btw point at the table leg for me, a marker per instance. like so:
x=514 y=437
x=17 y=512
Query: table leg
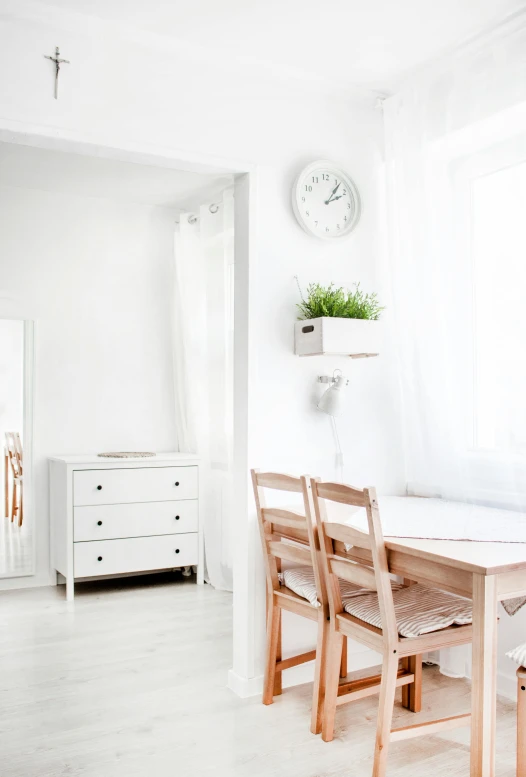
x=484 y=683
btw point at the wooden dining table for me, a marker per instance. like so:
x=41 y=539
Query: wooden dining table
x=486 y=572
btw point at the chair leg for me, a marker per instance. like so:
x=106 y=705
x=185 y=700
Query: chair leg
x=13 y=502
x=385 y=713
x=272 y=650
x=412 y=694
x=21 y=505
x=318 y=691
x=278 y=677
x=343 y=665
x=332 y=681
x=521 y=722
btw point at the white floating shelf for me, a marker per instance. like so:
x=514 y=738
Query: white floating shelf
x=354 y=337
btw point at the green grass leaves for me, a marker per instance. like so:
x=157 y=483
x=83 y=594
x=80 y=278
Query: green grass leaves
x=338 y=303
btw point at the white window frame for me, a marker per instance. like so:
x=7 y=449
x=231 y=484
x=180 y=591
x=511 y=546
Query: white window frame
x=491 y=470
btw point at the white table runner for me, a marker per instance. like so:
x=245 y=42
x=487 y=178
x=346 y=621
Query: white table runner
x=439 y=519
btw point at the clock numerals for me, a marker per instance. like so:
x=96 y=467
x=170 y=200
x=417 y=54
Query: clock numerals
x=325 y=202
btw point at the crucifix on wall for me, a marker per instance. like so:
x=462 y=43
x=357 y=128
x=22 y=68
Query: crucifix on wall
x=58 y=62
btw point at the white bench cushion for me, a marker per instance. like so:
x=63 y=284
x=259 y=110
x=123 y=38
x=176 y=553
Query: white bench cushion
x=518 y=655
x=419 y=610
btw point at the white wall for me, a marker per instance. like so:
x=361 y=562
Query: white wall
x=123 y=91
x=98 y=272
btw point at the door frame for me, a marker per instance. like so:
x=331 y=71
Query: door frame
x=245 y=349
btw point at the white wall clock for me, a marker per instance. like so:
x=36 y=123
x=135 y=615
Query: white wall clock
x=326 y=201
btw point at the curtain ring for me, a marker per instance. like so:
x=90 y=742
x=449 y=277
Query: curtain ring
x=213 y=208
x=192 y=219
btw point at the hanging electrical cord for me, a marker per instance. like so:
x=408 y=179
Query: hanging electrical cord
x=339 y=454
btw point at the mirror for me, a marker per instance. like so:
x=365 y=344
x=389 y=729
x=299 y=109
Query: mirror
x=17 y=535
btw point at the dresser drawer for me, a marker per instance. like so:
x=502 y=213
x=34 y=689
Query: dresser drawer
x=143 y=519
x=138 y=554
x=140 y=484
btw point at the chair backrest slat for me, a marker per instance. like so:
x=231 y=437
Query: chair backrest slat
x=348 y=535
x=290 y=552
x=287 y=518
x=369 y=565
x=283 y=533
x=338 y=492
x=279 y=482
x=353 y=572
x=354 y=554
x=279 y=526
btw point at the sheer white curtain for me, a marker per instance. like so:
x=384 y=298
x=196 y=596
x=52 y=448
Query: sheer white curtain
x=203 y=367
x=456 y=280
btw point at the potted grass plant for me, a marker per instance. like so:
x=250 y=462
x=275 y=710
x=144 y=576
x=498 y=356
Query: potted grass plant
x=337 y=321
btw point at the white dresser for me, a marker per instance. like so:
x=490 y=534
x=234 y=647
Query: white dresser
x=122 y=516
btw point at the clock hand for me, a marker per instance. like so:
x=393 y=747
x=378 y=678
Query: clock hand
x=337 y=198
x=333 y=193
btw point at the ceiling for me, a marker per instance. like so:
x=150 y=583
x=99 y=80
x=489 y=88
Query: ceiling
x=87 y=176
x=368 y=43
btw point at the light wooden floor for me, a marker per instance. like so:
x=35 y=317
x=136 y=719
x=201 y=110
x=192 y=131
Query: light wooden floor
x=16 y=548
x=130 y=682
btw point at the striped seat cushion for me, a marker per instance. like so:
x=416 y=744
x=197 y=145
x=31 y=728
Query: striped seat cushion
x=301 y=580
x=418 y=610
x=518 y=655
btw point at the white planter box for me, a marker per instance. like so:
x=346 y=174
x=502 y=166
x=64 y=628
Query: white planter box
x=337 y=336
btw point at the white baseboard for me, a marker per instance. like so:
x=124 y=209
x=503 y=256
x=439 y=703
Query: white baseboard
x=244 y=687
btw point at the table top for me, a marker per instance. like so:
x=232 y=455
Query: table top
x=484 y=558
x=481 y=557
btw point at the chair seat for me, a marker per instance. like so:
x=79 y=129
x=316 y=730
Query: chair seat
x=418 y=610
x=518 y=655
x=301 y=580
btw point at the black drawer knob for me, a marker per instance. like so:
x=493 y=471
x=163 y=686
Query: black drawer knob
x=99 y=558
x=177 y=550
x=177 y=517
x=99 y=523
x=99 y=488
x=176 y=482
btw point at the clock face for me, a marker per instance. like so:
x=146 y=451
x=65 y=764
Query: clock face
x=326 y=201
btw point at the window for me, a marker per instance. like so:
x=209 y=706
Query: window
x=498 y=240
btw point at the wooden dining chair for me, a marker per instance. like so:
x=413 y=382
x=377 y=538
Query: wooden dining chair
x=289 y=535
x=14 y=470
x=519 y=656
x=398 y=624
